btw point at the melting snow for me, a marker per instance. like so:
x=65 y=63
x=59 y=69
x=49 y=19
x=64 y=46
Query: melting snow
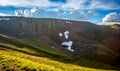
x=69 y=44
x=66 y=34
x=67 y=21
x=60 y=34
x=4 y=18
x=22 y=33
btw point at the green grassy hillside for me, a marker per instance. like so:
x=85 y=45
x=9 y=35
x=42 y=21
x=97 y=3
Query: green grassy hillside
x=29 y=55
x=40 y=37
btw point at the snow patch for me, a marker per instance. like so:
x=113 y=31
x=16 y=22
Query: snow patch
x=4 y=18
x=67 y=21
x=60 y=34
x=22 y=33
x=66 y=34
x=69 y=44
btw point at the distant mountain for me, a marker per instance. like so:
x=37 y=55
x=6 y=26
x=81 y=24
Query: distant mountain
x=96 y=42
x=115 y=26
x=109 y=23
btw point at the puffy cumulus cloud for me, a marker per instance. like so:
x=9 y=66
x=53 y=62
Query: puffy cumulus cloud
x=80 y=15
x=69 y=4
x=63 y=14
x=55 y=13
x=4 y=14
x=18 y=12
x=33 y=10
x=111 y=17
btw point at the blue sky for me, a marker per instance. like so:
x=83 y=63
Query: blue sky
x=88 y=10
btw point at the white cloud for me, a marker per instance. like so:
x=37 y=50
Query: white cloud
x=27 y=13
x=88 y=15
x=108 y=23
x=33 y=10
x=75 y=4
x=111 y=17
x=70 y=4
x=91 y=4
x=56 y=13
x=28 y=3
x=3 y=14
x=104 y=4
x=18 y=12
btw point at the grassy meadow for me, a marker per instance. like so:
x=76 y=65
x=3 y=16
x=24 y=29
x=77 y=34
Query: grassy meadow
x=30 y=55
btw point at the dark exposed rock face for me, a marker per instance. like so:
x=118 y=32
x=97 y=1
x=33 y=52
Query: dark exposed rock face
x=89 y=40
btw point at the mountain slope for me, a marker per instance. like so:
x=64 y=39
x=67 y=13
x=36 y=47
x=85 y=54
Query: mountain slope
x=18 y=54
x=89 y=40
